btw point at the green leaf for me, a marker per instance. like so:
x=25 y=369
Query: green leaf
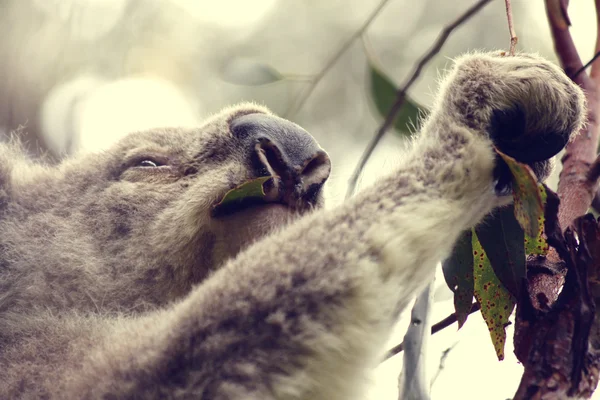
x=251 y=190
x=529 y=209
x=496 y=302
x=249 y=72
x=502 y=239
x=458 y=273
x=383 y=93
x=537 y=245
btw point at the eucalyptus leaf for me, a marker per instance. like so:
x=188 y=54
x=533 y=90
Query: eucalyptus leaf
x=383 y=92
x=502 y=239
x=247 y=191
x=529 y=208
x=458 y=273
x=496 y=302
x=538 y=245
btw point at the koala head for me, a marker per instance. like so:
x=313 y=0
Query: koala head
x=142 y=213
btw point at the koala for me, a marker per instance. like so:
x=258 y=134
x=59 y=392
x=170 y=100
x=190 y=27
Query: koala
x=120 y=278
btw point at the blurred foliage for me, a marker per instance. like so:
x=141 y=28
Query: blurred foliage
x=384 y=93
x=249 y=72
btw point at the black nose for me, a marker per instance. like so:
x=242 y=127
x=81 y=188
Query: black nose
x=284 y=150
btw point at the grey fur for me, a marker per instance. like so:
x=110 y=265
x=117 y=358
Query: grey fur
x=117 y=283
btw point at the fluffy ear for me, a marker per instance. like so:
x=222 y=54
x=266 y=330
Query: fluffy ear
x=11 y=156
x=5 y=167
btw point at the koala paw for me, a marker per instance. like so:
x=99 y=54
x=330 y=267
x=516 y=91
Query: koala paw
x=528 y=107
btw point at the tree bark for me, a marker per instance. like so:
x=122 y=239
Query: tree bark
x=553 y=332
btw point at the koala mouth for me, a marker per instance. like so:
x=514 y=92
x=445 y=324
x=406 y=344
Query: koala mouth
x=254 y=192
x=266 y=190
x=296 y=187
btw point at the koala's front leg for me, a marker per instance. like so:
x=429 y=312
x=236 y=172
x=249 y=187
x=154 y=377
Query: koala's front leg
x=303 y=314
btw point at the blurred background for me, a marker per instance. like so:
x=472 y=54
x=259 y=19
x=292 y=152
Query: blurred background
x=76 y=75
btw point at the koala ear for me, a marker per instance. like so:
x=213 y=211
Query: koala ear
x=9 y=156
x=4 y=176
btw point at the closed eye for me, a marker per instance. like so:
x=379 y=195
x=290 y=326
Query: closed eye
x=151 y=167
x=147 y=163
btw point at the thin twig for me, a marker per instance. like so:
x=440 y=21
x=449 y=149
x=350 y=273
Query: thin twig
x=586 y=66
x=511 y=29
x=446 y=322
x=401 y=93
x=297 y=105
x=442 y=363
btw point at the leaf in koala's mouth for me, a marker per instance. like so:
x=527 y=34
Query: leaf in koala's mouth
x=251 y=192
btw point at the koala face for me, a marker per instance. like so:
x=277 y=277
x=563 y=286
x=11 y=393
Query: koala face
x=143 y=211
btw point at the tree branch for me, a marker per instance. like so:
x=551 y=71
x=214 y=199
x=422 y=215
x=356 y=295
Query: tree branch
x=435 y=328
x=586 y=66
x=551 y=336
x=511 y=29
x=401 y=93
x=574 y=189
x=413 y=383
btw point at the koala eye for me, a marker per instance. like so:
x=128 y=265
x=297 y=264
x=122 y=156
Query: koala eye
x=152 y=162
x=149 y=164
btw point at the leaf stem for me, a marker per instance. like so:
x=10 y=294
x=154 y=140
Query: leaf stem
x=586 y=66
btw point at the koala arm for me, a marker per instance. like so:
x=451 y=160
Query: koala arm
x=303 y=313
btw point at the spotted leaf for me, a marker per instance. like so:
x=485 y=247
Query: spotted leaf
x=537 y=245
x=496 y=302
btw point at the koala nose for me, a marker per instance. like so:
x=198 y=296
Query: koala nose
x=284 y=150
